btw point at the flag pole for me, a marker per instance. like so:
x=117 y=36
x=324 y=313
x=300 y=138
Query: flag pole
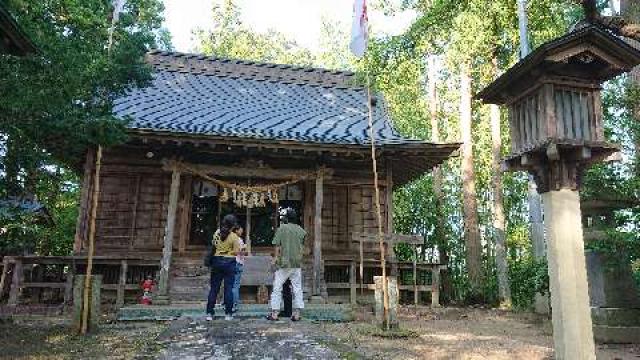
x=383 y=264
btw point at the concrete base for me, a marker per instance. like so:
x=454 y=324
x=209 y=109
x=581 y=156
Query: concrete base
x=616 y=325
x=94 y=301
x=571 y=318
x=617 y=334
x=326 y=312
x=161 y=300
x=541 y=305
x=392 y=288
x=316 y=299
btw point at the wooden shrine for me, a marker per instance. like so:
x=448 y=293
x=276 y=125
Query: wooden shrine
x=215 y=136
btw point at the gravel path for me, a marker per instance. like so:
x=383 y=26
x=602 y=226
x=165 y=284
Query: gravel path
x=188 y=339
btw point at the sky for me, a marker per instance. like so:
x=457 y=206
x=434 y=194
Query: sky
x=299 y=20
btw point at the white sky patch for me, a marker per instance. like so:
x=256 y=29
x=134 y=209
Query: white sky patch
x=299 y=20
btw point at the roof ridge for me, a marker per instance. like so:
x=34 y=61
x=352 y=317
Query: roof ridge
x=263 y=71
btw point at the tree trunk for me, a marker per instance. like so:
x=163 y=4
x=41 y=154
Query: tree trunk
x=504 y=288
x=470 y=202
x=630 y=10
x=440 y=232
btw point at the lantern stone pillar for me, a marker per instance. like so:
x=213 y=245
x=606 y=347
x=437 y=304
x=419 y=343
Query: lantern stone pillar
x=555 y=123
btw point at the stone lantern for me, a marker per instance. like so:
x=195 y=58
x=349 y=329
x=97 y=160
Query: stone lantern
x=555 y=121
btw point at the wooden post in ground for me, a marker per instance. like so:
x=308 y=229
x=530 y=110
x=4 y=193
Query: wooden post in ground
x=317 y=236
x=16 y=282
x=352 y=283
x=122 y=284
x=92 y=234
x=5 y=276
x=167 y=249
x=435 y=287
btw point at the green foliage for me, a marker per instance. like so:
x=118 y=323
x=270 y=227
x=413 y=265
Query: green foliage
x=230 y=38
x=528 y=277
x=58 y=102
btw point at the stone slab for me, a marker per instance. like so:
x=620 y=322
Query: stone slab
x=616 y=317
x=617 y=334
x=324 y=312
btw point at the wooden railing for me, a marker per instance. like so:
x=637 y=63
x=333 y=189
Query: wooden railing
x=57 y=272
x=355 y=271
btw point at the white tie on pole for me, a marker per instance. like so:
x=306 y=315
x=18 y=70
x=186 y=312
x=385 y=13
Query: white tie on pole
x=359 y=28
x=118 y=7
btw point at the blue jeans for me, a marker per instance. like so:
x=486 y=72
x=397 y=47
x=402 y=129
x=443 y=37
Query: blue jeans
x=236 y=284
x=222 y=269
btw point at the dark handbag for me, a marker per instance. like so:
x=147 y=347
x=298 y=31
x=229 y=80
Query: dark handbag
x=208 y=257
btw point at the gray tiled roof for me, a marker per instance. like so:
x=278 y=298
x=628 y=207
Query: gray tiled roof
x=194 y=94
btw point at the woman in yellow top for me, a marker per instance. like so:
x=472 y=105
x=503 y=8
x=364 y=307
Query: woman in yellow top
x=223 y=265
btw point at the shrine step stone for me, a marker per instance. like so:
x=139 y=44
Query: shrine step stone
x=323 y=312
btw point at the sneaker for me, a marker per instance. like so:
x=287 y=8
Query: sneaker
x=228 y=317
x=209 y=317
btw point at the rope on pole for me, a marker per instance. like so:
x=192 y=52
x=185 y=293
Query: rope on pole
x=383 y=264
x=91 y=239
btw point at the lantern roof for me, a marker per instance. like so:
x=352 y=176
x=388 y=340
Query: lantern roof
x=587 y=54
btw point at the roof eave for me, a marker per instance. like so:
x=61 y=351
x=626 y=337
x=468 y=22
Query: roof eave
x=492 y=94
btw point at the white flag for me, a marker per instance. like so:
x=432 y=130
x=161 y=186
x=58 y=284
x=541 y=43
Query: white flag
x=118 y=7
x=360 y=28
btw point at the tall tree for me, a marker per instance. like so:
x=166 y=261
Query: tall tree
x=469 y=197
x=504 y=288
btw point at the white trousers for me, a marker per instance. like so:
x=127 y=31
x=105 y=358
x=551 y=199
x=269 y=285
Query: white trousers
x=280 y=277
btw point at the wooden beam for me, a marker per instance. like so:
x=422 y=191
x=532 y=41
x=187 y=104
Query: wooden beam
x=165 y=263
x=317 y=235
x=249 y=172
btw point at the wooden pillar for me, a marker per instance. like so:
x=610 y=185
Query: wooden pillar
x=167 y=249
x=185 y=213
x=122 y=284
x=82 y=224
x=16 y=283
x=247 y=230
x=5 y=275
x=317 y=236
x=352 y=282
x=389 y=197
x=416 y=296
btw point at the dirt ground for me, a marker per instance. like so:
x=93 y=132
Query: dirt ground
x=454 y=333
x=449 y=333
x=48 y=338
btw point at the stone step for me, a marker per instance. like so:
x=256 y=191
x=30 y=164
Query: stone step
x=323 y=312
x=615 y=317
x=617 y=334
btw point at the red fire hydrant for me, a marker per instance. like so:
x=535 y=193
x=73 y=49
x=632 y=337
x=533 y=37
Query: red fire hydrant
x=147 y=286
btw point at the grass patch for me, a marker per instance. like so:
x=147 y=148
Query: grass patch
x=41 y=339
x=377 y=331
